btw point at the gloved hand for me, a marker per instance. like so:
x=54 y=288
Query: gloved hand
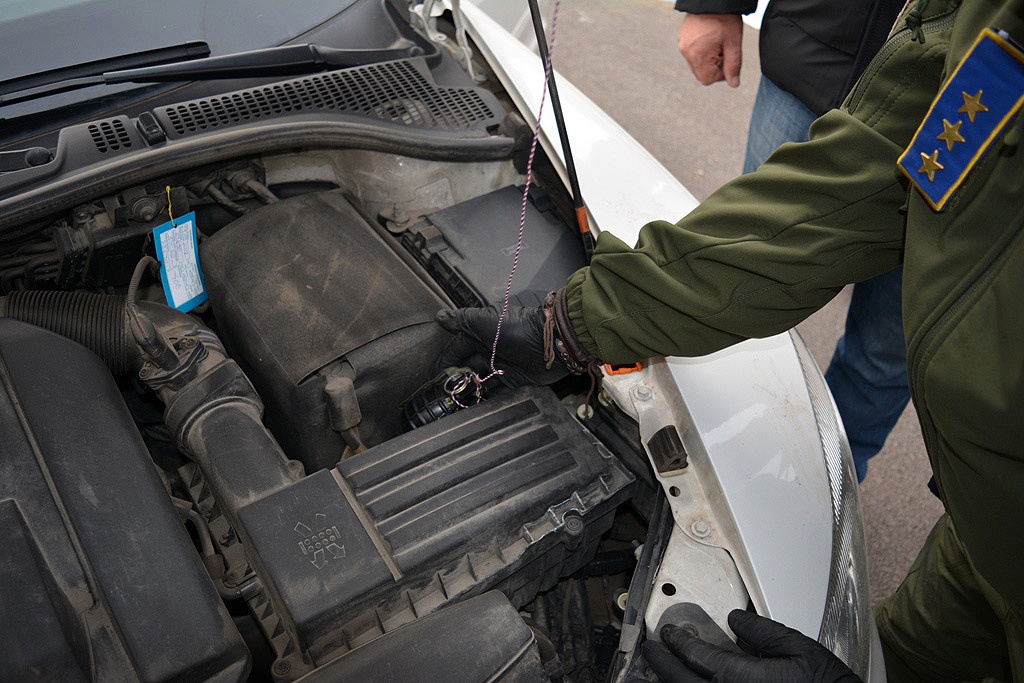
x=787 y=656
x=520 y=346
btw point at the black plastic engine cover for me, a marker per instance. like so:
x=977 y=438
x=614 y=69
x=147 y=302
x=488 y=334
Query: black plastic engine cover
x=98 y=578
x=479 y=639
x=468 y=247
x=302 y=283
x=510 y=494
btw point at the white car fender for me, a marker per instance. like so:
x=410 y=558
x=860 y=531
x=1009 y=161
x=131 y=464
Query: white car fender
x=748 y=407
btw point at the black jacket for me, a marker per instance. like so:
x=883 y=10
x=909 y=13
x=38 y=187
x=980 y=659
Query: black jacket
x=813 y=49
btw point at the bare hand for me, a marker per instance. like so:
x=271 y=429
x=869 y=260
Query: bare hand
x=713 y=47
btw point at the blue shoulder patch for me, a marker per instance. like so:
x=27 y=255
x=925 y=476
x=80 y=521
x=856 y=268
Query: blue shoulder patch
x=984 y=93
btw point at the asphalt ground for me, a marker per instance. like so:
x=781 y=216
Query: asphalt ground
x=623 y=55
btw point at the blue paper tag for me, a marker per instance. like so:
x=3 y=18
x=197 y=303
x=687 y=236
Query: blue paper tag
x=984 y=93
x=177 y=249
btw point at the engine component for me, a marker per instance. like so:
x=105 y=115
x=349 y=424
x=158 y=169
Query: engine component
x=102 y=245
x=468 y=247
x=304 y=283
x=100 y=580
x=510 y=494
x=343 y=411
x=484 y=639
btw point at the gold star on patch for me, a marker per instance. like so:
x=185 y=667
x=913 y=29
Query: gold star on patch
x=951 y=134
x=972 y=105
x=930 y=164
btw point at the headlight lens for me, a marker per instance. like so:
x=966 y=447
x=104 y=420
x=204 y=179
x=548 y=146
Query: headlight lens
x=846 y=625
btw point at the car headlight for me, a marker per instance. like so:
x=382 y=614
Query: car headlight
x=846 y=624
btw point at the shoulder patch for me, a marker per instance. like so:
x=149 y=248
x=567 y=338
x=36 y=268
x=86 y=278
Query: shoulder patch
x=984 y=93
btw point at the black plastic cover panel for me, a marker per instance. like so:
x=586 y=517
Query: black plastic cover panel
x=510 y=494
x=98 y=578
x=302 y=282
x=401 y=93
x=477 y=241
x=477 y=640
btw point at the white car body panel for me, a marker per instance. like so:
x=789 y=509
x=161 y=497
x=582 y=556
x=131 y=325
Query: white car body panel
x=749 y=404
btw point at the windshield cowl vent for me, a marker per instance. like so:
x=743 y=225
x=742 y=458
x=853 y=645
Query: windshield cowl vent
x=397 y=92
x=110 y=135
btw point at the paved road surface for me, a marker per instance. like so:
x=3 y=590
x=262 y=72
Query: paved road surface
x=623 y=55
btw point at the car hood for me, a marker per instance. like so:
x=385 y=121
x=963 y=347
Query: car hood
x=34 y=40
x=112 y=27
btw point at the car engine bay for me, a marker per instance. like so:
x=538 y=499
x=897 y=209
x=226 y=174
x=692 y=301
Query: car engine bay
x=318 y=505
x=278 y=480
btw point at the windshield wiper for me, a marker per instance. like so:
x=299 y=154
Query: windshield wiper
x=195 y=49
x=287 y=60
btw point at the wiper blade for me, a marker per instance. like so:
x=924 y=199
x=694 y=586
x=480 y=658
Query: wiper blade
x=287 y=60
x=195 y=49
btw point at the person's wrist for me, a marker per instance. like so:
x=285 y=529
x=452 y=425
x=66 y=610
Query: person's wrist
x=560 y=339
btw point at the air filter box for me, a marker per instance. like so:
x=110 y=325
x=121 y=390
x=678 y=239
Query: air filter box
x=510 y=494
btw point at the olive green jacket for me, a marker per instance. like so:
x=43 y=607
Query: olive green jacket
x=770 y=248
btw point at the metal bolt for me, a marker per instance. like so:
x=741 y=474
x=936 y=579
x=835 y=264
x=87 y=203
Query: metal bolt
x=573 y=525
x=282 y=666
x=144 y=208
x=584 y=411
x=701 y=529
x=604 y=398
x=621 y=599
x=642 y=392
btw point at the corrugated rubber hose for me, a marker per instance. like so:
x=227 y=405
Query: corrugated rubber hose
x=97 y=321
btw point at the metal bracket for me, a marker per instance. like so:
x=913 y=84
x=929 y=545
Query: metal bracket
x=424 y=16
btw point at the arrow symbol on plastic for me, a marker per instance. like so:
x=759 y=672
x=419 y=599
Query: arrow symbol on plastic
x=319 y=561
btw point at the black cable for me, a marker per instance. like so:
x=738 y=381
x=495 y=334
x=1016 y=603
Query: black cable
x=144 y=264
x=38 y=263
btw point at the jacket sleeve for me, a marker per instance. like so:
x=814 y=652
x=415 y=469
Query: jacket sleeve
x=716 y=6
x=769 y=248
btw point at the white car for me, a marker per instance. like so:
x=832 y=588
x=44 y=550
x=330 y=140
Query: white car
x=227 y=453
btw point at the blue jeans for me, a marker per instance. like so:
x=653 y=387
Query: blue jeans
x=868 y=372
x=777 y=118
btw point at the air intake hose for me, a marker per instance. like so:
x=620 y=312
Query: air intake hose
x=96 y=321
x=212 y=410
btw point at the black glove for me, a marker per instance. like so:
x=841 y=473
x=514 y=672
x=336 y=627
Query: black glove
x=787 y=656
x=520 y=346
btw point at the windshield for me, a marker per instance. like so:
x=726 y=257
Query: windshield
x=39 y=35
